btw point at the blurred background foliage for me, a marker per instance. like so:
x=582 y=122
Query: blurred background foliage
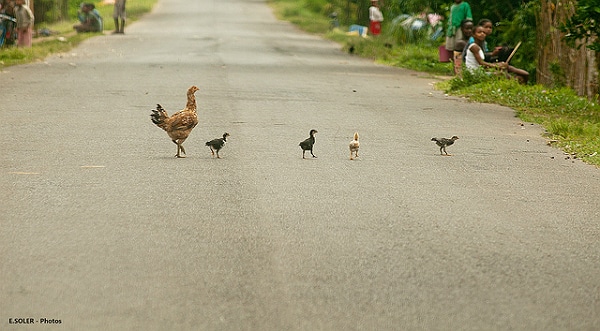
x=52 y=11
x=406 y=22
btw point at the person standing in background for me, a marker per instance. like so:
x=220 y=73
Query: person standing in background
x=459 y=11
x=119 y=13
x=25 y=21
x=376 y=17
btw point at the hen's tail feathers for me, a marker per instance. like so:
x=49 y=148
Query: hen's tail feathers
x=356 y=136
x=159 y=115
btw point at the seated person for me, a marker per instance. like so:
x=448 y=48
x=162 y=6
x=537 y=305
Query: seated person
x=89 y=18
x=466 y=27
x=488 y=27
x=7 y=7
x=475 y=58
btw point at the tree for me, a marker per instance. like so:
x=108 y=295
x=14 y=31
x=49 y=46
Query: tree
x=557 y=62
x=583 y=27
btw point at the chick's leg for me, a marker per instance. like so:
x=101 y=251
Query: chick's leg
x=446 y=151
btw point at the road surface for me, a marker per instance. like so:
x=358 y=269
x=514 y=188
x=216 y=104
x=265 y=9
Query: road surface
x=103 y=229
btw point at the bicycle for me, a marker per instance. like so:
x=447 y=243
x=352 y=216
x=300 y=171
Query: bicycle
x=8 y=34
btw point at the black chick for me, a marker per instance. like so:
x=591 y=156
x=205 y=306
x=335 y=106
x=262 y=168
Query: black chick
x=217 y=144
x=307 y=145
x=443 y=143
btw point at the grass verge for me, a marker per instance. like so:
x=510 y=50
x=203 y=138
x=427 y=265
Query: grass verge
x=64 y=38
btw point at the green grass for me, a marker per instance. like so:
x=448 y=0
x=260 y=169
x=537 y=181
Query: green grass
x=419 y=57
x=65 y=38
x=12 y=55
x=299 y=13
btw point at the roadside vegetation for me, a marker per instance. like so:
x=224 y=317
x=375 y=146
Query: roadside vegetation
x=62 y=36
x=571 y=122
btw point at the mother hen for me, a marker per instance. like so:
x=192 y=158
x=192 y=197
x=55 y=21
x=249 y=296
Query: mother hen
x=179 y=125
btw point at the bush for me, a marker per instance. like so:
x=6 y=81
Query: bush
x=316 y=6
x=470 y=78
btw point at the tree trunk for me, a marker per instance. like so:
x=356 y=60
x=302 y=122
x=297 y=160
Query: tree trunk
x=559 y=64
x=64 y=10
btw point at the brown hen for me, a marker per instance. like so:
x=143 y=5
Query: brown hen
x=179 y=125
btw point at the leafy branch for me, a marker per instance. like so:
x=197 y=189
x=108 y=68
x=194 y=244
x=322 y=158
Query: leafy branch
x=582 y=28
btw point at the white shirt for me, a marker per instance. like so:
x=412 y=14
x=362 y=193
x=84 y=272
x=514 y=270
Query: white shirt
x=471 y=62
x=375 y=14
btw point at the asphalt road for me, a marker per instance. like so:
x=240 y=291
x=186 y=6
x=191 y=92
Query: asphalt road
x=103 y=229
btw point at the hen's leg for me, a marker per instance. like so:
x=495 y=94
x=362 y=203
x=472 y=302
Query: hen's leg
x=218 y=157
x=212 y=152
x=180 y=143
x=175 y=142
x=351 y=158
x=311 y=153
x=303 y=151
x=180 y=148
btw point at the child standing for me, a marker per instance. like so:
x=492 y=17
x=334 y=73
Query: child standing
x=376 y=17
x=25 y=21
x=459 y=11
x=119 y=13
